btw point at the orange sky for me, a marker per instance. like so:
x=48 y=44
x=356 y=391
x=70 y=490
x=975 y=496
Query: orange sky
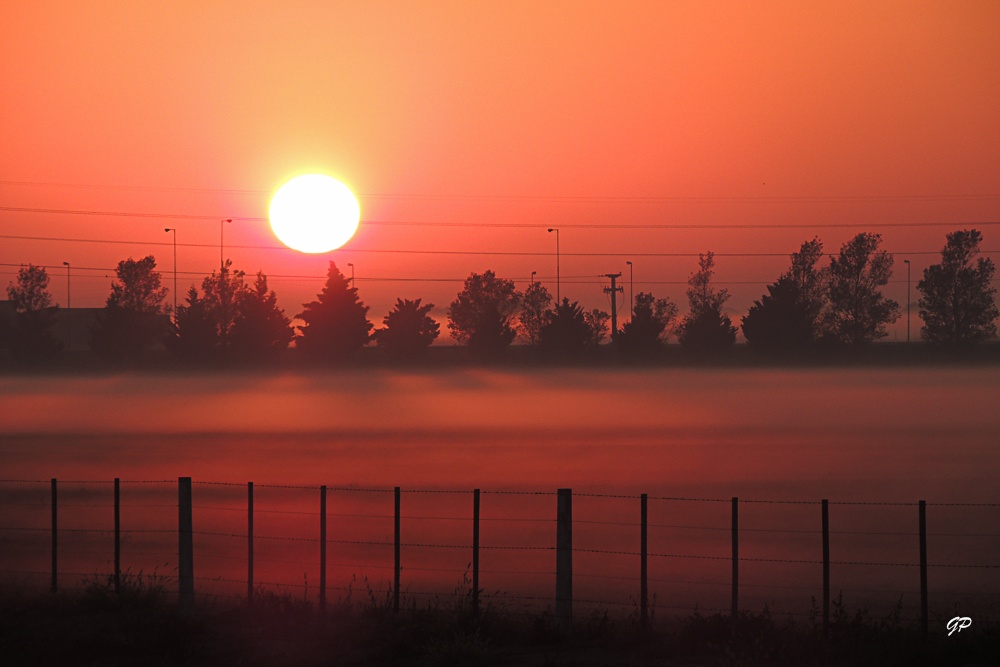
x=685 y=115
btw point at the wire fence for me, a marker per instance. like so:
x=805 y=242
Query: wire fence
x=517 y=550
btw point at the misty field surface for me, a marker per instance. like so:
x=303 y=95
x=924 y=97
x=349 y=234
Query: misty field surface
x=871 y=441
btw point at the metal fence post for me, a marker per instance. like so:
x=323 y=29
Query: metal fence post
x=118 y=537
x=55 y=538
x=250 y=543
x=826 y=566
x=564 y=558
x=475 y=552
x=923 y=566
x=643 y=563
x=322 y=548
x=185 y=530
x=736 y=557
x=395 y=574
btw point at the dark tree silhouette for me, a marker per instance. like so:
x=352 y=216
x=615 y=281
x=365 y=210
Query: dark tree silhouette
x=203 y=328
x=29 y=336
x=409 y=330
x=196 y=331
x=134 y=316
x=706 y=330
x=566 y=332
x=222 y=293
x=260 y=329
x=652 y=322
x=858 y=312
x=787 y=319
x=534 y=306
x=482 y=314
x=597 y=322
x=336 y=324
x=231 y=321
x=958 y=305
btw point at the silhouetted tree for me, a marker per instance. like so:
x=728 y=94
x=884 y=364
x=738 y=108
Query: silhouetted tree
x=597 y=322
x=566 y=332
x=706 y=330
x=203 y=328
x=482 y=315
x=534 y=306
x=958 y=305
x=409 y=330
x=787 y=319
x=222 y=293
x=260 y=329
x=652 y=322
x=858 y=312
x=134 y=316
x=196 y=332
x=29 y=336
x=336 y=324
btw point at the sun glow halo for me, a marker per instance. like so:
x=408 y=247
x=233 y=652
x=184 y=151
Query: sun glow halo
x=314 y=213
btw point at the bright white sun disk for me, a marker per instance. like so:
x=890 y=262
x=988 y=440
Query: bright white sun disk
x=314 y=213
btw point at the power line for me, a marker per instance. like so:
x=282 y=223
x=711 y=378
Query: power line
x=626 y=199
x=510 y=225
x=411 y=251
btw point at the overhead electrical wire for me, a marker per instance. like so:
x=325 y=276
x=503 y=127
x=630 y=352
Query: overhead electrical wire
x=503 y=225
x=627 y=199
x=411 y=251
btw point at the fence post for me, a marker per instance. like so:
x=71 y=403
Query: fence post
x=564 y=558
x=475 y=552
x=185 y=529
x=923 y=566
x=118 y=536
x=643 y=570
x=250 y=543
x=322 y=548
x=395 y=574
x=826 y=567
x=736 y=557
x=55 y=539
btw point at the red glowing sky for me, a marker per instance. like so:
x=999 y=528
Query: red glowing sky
x=691 y=116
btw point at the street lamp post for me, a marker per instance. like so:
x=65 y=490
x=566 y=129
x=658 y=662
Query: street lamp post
x=631 y=303
x=222 y=262
x=907 y=262
x=558 y=295
x=532 y=282
x=352 y=273
x=69 y=311
x=174 y=230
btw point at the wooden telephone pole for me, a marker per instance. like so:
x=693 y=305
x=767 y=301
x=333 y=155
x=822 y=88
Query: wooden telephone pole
x=613 y=291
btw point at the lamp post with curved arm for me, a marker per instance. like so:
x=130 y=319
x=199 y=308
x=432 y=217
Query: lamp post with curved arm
x=631 y=303
x=222 y=227
x=558 y=295
x=174 y=230
x=69 y=311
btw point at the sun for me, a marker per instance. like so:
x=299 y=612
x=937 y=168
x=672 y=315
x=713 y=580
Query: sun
x=314 y=213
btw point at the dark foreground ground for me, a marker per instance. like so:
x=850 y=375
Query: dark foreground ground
x=141 y=626
x=883 y=354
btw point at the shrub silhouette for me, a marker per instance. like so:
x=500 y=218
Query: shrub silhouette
x=336 y=324
x=409 y=330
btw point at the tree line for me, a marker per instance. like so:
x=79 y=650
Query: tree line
x=235 y=319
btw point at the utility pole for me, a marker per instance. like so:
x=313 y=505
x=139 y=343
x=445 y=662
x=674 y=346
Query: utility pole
x=222 y=236
x=69 y=312
x=558 y=295
x=631 y=299
x=613 y=291
x=174 y=230
x=907 y=262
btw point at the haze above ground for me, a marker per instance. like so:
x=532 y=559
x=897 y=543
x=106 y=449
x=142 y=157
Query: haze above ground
x=788 y=121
